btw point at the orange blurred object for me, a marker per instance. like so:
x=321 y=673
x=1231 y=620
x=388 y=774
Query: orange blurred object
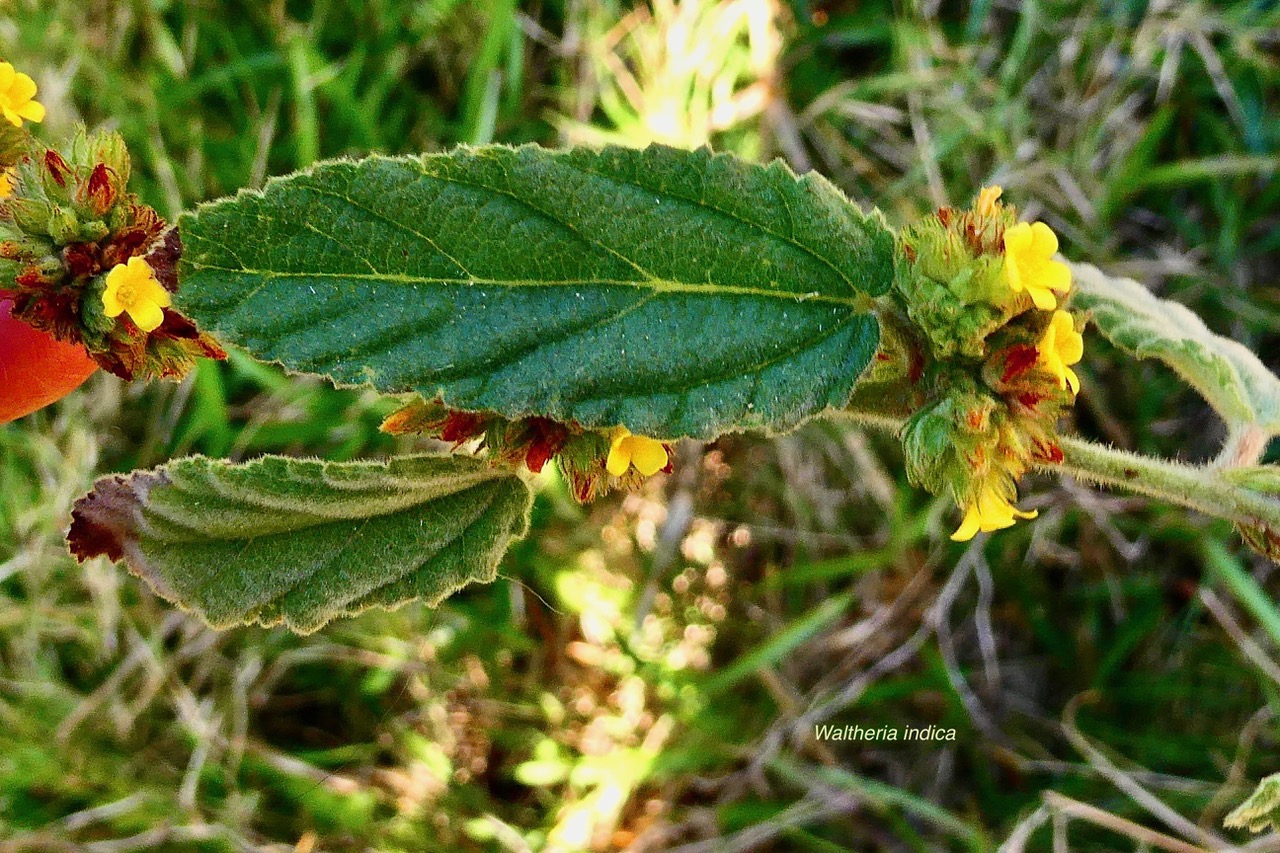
x=35 y=368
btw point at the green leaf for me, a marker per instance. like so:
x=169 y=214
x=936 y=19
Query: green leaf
x=300 y=542
x=1261 y=811
x=678 y=293
x=1229 y=377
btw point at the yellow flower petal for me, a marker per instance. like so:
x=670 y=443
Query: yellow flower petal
x=619 y=453
x=1056 y=275
x=995 y=512
x=1070 y=343
x=648 y=455
x=111 y=304
x=32 y=111
x=23 y=88
x=988 y=198
x=969 y=527
x=147 y=316
x=116 y=279
x=1044 y=242
x=991 y=512
x=7 y=73
x=1017 y=238
x=1042 y=297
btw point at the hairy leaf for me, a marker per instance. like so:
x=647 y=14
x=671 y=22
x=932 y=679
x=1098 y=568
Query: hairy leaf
x=302 y=541
x=679 y=293
x=1261 y=811
x=1229 y=377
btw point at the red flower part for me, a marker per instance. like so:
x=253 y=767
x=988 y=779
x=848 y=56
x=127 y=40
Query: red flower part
x=100 y=190
x=584 y=487
x=82 y=259
x=1018 y=359
x=1030 y=399
x=973 y=237
x=57 y=167
x=163 y=258
x=915 y=368
x=1048 y=452
x=31 y=278
x=461 y=427
x=547 y=439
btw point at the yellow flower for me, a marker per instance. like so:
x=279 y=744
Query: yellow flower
x=133 y=288
x=648 y=454
x=6 y=183
x=16 y=92
x=987 y=201
x=1029 y=263
x=1060 y=347
x=991 y=512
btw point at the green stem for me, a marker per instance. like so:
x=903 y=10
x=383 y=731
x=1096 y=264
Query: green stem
x=1197 y=487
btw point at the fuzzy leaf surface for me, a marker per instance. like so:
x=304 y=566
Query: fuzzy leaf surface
x=1228 y=375
x=678 y=293
x=299 y=542
x=1261 y=811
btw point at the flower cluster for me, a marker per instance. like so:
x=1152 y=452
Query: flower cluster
x=981 y=317
x=593 y=462
x=82 y=258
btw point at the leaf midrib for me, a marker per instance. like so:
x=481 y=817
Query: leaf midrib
x=657 y=285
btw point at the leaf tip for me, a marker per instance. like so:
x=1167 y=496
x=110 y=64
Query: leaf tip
x=105 y=522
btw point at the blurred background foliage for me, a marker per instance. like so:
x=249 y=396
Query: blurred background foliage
x=647 y=673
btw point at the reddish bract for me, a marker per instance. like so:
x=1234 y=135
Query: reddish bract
x=35 y=368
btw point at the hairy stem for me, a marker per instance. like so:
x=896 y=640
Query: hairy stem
x=1198 y=487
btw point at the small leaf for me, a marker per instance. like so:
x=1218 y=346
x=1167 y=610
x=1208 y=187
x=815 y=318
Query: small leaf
x=1261 y=810
x=679 y=293
x=1229 y=377
x=300 y=542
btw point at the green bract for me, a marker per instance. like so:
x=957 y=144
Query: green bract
x=678 y=293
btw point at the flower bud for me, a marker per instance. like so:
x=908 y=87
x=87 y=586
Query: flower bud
x=64 y=226
x=31 y=215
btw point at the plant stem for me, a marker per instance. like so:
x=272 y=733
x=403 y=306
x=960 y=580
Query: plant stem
x=1198 y=487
